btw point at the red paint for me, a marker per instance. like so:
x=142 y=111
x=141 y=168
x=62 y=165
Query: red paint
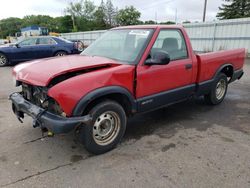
x=41 y=72
x=158 y=78
x=149 y=79
x=210 y=62
x=69 y=92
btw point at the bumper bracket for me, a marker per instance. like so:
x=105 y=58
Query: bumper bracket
x=54 y=123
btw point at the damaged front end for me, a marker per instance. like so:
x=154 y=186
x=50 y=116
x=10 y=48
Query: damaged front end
x=38 y=95
x=44 y=110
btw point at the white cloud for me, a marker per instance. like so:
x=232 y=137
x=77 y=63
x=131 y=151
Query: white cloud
x=165 y=9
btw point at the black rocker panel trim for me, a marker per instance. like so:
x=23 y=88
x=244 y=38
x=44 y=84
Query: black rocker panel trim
x=101 y=92
x=165 y=98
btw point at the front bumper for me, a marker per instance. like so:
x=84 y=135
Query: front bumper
x=54 y=123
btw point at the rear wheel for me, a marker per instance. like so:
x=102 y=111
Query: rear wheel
x=218 y=90
x=3 y=60
x=61 y=53
x=107 y=128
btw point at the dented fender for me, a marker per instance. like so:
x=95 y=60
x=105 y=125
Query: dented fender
x=68 y=93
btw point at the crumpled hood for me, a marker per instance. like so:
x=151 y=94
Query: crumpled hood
x=41 y=72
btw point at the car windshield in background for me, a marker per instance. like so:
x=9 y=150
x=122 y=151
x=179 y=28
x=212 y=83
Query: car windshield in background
x=123 y=45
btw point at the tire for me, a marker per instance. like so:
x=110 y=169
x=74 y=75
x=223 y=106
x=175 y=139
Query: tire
x=218 y=90
x=3 y=60
x=107 y=128
x=61 y=53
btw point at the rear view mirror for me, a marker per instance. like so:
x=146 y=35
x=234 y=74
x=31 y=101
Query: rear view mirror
x=158 y=58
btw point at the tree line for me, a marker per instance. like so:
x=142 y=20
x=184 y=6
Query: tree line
x=84 y=15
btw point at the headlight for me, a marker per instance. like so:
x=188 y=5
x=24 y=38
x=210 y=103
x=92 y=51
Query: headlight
x=39 y=95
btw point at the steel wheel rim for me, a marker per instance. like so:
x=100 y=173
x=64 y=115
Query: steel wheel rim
x=220 y=89
x=3 y=60
x=106 y=128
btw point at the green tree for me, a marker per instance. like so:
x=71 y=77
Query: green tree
x=9 y=26
x=149 y=22
x=168 y=23
x=65 y=24
x=128 y=16
x=100 y=15
x=74 y=10
x=235 y=9
x=110 y=13
x=81 y=13
x=88 y=9
x=186 y=22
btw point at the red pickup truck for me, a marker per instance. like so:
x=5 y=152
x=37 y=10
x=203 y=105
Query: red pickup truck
x=128 y=70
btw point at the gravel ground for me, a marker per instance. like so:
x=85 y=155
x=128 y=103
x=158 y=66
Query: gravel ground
x=186 y=145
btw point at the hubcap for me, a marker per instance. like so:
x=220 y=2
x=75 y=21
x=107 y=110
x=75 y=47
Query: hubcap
x=220 y=89
x=106 y=128
x=3 y=60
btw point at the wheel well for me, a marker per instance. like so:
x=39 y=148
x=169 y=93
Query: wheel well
x=117 y=97
x=228 y=71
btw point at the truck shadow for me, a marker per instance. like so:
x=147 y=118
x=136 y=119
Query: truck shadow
x=168 y=118
x=195 y=114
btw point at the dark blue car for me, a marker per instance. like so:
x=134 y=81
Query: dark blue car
x=35 y=48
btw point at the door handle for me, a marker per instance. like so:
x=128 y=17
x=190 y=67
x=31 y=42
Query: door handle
x=188 y=66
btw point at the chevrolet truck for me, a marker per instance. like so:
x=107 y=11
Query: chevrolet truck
x=128 y=70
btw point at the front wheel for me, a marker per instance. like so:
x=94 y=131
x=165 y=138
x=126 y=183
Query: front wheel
x=218 y=90
x=107 y=128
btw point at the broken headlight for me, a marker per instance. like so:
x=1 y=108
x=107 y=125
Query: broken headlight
x=38 y=96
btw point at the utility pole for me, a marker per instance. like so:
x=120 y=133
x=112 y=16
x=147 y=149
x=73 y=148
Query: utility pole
x=204 y=11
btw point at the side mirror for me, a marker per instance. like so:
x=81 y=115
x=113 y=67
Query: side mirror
x=159 y=58
x=17 y=45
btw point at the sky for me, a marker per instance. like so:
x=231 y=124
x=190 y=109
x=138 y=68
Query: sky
x=160 y=10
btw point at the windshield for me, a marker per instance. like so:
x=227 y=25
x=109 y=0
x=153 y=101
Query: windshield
x=123 y=45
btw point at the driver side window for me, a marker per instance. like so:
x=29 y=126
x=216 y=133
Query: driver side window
x=172 y=42
x=28 y=42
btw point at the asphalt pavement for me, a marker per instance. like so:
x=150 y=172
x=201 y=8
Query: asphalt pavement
x=189 y=144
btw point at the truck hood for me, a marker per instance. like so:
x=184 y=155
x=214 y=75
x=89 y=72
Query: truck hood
x=41 y=72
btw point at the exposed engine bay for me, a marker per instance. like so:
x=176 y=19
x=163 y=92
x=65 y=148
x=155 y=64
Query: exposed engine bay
x=38 y=96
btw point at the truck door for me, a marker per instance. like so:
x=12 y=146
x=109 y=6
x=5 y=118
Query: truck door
x=159 y=85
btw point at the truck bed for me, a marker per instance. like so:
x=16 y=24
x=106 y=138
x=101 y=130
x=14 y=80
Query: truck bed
x=209 y=63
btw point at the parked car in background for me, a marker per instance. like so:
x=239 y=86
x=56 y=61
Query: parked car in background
x=36 y=48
